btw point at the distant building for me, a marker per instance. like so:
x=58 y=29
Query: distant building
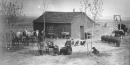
x=59 y=23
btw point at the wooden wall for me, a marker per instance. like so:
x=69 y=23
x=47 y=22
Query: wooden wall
x=57 y=28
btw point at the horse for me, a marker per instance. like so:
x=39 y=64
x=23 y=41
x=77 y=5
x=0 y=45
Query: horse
x=24 y=37
x=123 y=27
x=16 y=39
x=119 y=33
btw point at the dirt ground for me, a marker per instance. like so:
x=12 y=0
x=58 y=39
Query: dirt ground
x=109 y=55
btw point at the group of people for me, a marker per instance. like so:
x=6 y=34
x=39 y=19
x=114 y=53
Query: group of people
x=49 y=48
x=52 y=48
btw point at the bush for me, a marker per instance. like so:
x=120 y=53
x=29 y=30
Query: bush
x=111 y=39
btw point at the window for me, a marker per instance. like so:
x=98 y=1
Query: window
x=50 y=29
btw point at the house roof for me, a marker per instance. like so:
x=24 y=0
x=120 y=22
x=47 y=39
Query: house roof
x=58 y=17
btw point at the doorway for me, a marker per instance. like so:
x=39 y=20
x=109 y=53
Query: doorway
x=82 y=35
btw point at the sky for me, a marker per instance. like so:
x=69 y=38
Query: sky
x=110 y=7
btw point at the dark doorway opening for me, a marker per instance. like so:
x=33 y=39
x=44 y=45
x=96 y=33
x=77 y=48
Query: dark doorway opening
x=82 y=35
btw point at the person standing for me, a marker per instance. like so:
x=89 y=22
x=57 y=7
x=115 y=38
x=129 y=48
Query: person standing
x=39 y=39
x=68 y=42
x=37 y=33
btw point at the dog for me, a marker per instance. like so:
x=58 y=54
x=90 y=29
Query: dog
x=95 y=51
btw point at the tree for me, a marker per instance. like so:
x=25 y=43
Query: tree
x=11 y=9
x=93 y=8
x=44 y=8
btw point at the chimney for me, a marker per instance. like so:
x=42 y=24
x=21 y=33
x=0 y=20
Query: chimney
x=74 y=10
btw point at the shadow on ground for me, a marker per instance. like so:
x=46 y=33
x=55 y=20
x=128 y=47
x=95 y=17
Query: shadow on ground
x=83 y=55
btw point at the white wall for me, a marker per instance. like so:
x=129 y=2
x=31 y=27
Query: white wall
x=75 y=28
x=76 y=23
